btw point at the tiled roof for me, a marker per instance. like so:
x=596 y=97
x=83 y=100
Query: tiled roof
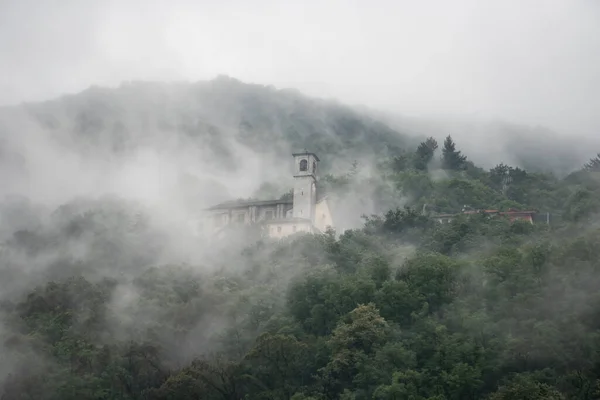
x=511 y=212
x=247 y=203
x=226 y=205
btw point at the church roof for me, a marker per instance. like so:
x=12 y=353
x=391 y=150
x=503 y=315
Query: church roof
x=226 y=205
x=247 y=203
x=306 y=153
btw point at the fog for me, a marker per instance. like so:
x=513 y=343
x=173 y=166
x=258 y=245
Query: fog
x=115 y=137
x=523 y=61
x=425 y=66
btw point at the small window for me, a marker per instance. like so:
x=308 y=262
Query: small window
x=303 y=165
x=294 y=228
x=314 y=171
x=269 y=215
x=278 y=229
x=240 y=218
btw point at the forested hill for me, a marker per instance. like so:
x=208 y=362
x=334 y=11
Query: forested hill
x=211 y=115
x=490 y=142
x=216 y=117
x=102 y=296
x=202 y=142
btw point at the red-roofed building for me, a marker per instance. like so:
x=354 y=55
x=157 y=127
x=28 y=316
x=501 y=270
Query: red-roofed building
x=515 y=215
x=512 y=214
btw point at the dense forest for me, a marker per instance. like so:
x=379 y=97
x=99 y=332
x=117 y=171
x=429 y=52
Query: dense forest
x=98 y=303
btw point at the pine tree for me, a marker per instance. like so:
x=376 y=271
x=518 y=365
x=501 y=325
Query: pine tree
x=452 y=158
x=593 y=164
x=425 y=153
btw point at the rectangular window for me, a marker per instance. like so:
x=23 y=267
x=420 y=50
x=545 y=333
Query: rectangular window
x=269 y=215
x=278 y=229
x=241 y=218
x=294 y=228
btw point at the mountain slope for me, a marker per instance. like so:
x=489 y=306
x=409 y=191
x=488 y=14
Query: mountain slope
x=209 y=115
x=185 y=145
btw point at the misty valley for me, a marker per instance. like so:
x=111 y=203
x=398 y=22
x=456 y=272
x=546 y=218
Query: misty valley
x=431 y=269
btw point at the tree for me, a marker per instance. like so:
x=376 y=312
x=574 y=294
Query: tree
x=397 y=302
x=451 y=158
x=431 y=277
x=407 y=384
x=593 y=164
x=525 y=388
x=353 y=344
x=278 y=365
x=214 y=379
x=425 y=153
x=503 y=174
x=364 y=331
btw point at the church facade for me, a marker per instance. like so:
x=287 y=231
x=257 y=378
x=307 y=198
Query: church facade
x=305 y=212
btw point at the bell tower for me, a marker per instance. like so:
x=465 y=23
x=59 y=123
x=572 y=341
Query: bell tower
x=305 y=185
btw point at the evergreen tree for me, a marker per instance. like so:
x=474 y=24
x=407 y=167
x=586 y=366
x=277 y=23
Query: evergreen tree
x=452 y=158
x=501 y=172
x=425 y=153
x=593 y=164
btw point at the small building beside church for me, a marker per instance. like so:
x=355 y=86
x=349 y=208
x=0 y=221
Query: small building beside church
x=307 y=211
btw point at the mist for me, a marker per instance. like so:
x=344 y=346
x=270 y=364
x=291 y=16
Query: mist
x=509 y=60
x=122 y=121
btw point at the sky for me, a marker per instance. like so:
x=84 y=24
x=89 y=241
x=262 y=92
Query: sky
x=525 y=61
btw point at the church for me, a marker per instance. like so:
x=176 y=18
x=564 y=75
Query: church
x=307 y=211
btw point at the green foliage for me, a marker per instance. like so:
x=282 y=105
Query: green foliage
x=582 y=204
x=525 y=388
x=431 y=278
x=425 y=153
x=452 y=159
x=402 y=307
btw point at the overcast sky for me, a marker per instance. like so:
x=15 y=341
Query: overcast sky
x=532 y=61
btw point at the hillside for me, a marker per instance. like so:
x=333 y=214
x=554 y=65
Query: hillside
x=105 y=295
x=209 y=115
x=184 y=146
x=490 y=142
x=215 y=117
x=202 y=143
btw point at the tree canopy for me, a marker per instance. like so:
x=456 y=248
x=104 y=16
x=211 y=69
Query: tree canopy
x=98 y=301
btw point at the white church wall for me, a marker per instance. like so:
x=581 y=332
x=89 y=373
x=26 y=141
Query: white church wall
x=323 y=217
x=282 y=230
x=317 y=216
